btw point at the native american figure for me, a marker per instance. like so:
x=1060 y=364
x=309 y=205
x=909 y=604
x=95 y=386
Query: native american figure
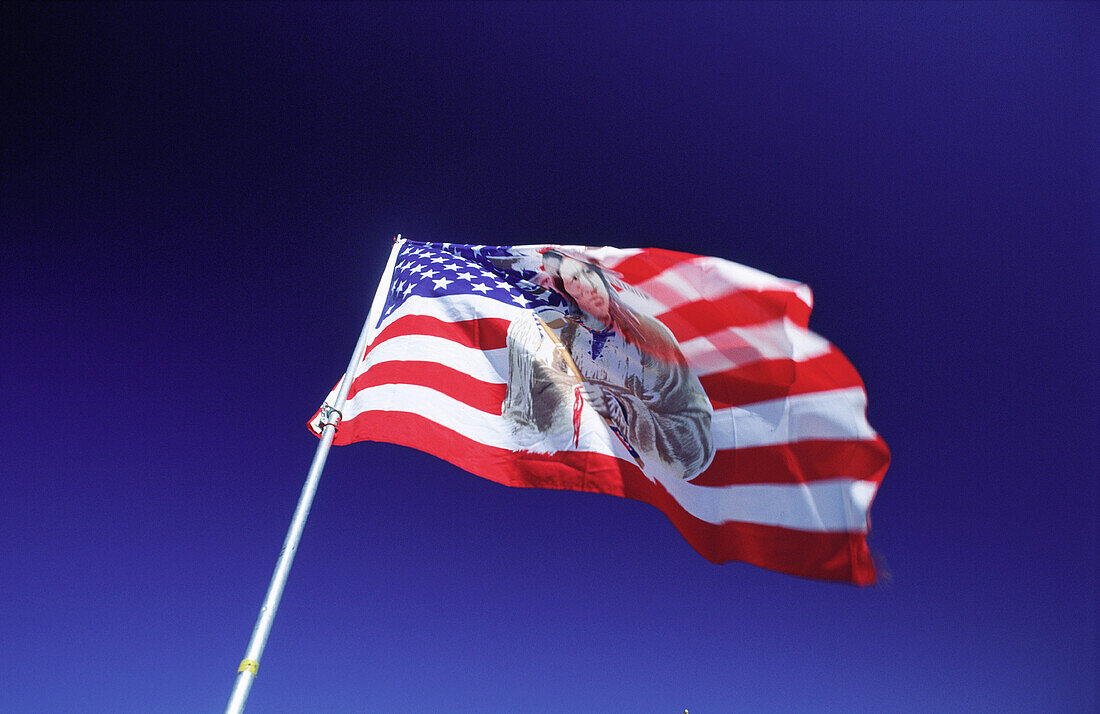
x=599 y=351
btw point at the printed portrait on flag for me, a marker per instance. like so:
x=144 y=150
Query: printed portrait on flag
x=596 y=351
x=688 y=382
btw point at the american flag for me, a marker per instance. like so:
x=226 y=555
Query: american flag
x=796 y=464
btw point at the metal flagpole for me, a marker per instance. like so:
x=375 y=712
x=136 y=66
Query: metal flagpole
x=330 y=417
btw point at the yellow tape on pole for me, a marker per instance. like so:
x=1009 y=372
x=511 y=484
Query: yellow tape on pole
x=249 y=664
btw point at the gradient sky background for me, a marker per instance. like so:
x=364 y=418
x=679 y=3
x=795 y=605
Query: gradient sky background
x=197 y=203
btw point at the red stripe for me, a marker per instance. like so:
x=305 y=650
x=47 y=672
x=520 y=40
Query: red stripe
x=485 y=396
x=830 y=556
x=649 y=263
x=778 y=378
x=487 y=333
x=800 y=462
x=738 y=309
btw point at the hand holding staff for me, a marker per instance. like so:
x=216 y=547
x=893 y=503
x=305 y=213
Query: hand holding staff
x=577 y=373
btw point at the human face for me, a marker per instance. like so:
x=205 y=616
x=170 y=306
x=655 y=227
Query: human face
x=585 y=286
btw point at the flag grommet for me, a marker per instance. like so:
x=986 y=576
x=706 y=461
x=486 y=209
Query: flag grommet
x=330 y=416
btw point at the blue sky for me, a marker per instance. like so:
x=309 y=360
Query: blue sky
x=199 y=198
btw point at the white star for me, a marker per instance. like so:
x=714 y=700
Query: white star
x=439 y=259
x=503 y=285
x=520 y=300
x=465 y=276
x=481 y=288
x=442 y=283
x=476 y=248
x=408 y=289
x=427 y=274
x=415 y=269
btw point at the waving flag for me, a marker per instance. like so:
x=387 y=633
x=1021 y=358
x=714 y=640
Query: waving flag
x=684 y=381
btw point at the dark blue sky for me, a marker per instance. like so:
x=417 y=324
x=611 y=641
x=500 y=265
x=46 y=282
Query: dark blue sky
x=198 y=199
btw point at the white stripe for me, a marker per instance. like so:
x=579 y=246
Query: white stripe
x=707 y=278
x=603 y=255
x=832 y=505
x=439 y=407
x=825 y=506
x=489 y=429
x=486 y=365
x=454 y=308
x=839 y=414
x=738 y=346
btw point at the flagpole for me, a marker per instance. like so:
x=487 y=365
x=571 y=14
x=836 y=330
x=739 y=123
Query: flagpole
x=246 y=672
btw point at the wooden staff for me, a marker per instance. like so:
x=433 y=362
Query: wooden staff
x=577 y=373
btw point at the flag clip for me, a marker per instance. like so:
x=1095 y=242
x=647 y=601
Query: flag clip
x=330 y=416
x=250 y=665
